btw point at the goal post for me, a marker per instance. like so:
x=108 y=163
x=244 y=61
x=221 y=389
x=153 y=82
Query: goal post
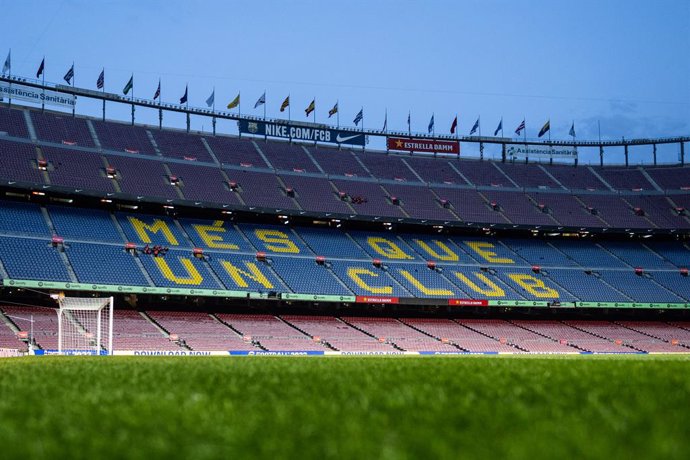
x=85 y=325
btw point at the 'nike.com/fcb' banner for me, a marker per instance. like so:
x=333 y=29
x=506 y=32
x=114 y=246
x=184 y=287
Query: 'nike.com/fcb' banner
x=300 y=133
x=423 y=145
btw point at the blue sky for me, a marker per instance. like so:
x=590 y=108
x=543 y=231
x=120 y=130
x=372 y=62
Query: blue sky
x=625 y=64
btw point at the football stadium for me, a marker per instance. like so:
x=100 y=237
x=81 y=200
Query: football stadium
x=286 y=286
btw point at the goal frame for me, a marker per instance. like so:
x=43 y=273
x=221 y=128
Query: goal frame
x=107 y=302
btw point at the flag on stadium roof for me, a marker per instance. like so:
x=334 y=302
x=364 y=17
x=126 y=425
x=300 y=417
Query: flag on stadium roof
x=212 y=98
x=385 y=122
x=41 y=68
x=499 y=127
x=285 y=104
x=261 y=100
x=8 y=63
x=235 y=102
x=431 y=123
x=128 y=87
x=310 y=108
x=520 y=127
x=359 y=117
x=184 y=99
x=572 y=130
x=409 y=123
x=544 y=129
x=475 y=127
x=157 y=94
x=333 y=111
x=101 y=80
x=454 y=125
x=69 y=75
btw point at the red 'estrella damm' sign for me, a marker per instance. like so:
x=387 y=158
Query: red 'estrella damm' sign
x=468 y=302
x=423 y=145
x=376 y=299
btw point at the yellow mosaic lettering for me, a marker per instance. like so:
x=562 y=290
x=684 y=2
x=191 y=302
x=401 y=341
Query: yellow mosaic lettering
x=480 y=247
x=211 y=240
x=356 y=274
x=448 y=255
x=534 y=286
x=142 y=229
x=428 y=291
x=192 y=276
x=494 y=291
x=279 y=241
x=387 y=248
x=239 y=276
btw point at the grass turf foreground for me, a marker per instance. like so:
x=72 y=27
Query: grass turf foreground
x=374 y=407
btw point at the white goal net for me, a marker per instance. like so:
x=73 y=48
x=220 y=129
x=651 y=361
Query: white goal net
x=85 y=326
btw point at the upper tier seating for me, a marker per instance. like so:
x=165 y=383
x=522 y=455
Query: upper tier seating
x=123 y=137
x=62 y=129
x=181 y=145
x=77 y=170
x=19 y=162
x=343 y=181
x=12 y=123
x=236 y=152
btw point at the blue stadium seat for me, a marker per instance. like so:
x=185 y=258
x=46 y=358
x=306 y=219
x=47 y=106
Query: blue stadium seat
x=305 y=276
x=104 y=264
x=250 y=274
x=379 y=281
x=331 y=243
x=22 y=219
x=84 y=224
x=32 y=259
x=219 y=235
x=185 y=270
x=153 y=230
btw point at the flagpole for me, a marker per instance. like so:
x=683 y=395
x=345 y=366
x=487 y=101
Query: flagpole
x=214 y=110
x=9 y=74
x=481 y=144
x=132 y=99
x=524 y=136
x=74 y=80
x=550 y=146
x=289 y=117
x=239 y=111
x=43 y=75
x=265 y=133
x=186 y=93
x=572 y=130
x=385 y=129
x=160 y=108
x=364 y=140
x=103 y=91
x=337 y=113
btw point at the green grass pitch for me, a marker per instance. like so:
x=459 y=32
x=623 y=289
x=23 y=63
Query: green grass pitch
x=373 y=407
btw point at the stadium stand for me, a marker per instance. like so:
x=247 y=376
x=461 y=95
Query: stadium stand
x=19 y=162
x=77 y=170
x=12 y=123
x=200 y=331
x=62 y=129
x=201 y=174
x=271 y=333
